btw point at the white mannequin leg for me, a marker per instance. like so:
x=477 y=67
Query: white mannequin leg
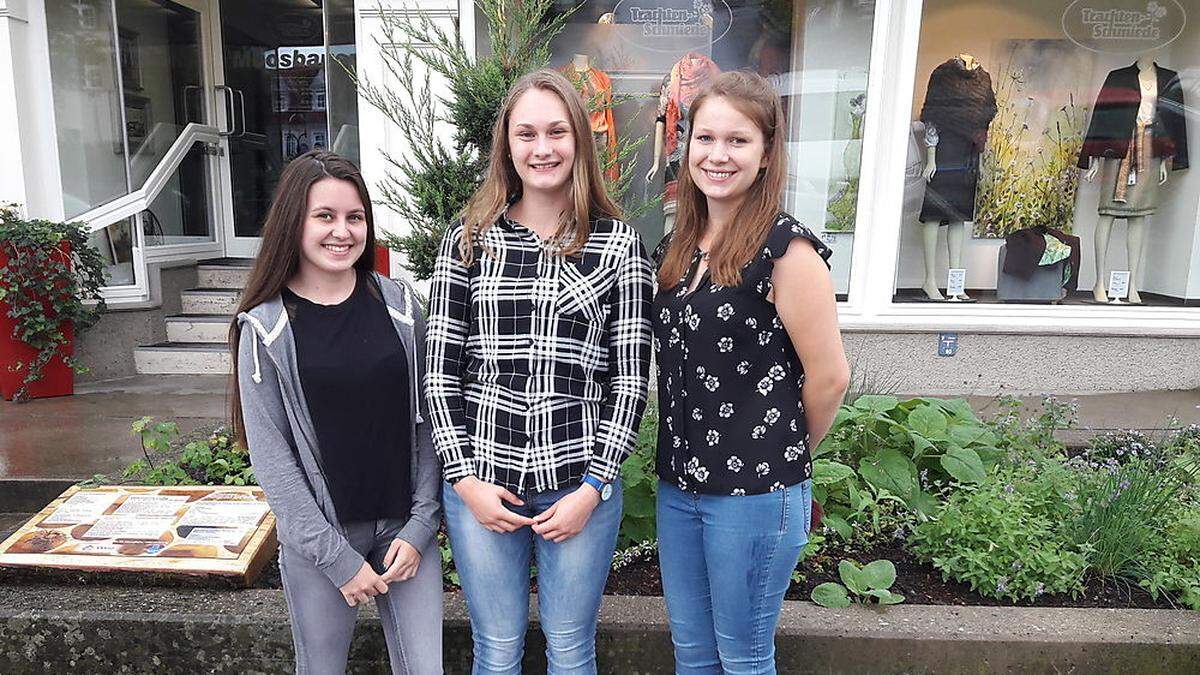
x=955 y=236
x=1103 y=230
x=929 y=233
x=1136 y=237
x=668 y=222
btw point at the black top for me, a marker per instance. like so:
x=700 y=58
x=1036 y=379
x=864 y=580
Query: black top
x=1115 y=116
x=731 y=421
x=354 y=374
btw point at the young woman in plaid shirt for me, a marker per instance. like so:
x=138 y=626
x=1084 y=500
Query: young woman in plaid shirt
x=538 y=364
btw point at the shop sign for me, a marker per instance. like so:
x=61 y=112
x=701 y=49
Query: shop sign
x=224 y=531
x=1123 y=26
x=287 y=58
x=659 y=22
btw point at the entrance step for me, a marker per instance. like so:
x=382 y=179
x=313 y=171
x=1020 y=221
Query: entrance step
x=208 y=328
x=183 y=358
x=224 y=273
x=210 y=300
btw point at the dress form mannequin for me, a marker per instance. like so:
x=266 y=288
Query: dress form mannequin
x=679 y=88
x=955 y=230
x=1136 y=230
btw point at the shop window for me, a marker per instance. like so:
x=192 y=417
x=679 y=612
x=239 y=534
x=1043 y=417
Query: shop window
x=342 y=99
x=1048 y=154
x=655 y=56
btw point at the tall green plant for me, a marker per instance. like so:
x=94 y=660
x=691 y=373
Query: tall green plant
x=52 y=280
x=431 y=183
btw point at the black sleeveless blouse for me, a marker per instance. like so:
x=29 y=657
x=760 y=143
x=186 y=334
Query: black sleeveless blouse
x=731 y=421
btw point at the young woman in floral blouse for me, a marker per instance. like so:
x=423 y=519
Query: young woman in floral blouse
x=751 y=372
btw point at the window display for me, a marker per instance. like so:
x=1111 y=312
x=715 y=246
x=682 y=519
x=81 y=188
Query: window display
x=1042 y=129
x=640 y=65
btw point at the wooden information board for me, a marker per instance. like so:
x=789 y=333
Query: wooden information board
x=192 y=530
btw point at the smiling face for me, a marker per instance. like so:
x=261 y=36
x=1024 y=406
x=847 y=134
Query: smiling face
x=335 y=227
x=725 y=152
x=541 y=141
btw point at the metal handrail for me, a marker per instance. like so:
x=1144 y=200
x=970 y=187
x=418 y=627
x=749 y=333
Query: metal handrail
x=139 y=200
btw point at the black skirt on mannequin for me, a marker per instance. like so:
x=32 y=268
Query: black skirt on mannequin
x=950 y=196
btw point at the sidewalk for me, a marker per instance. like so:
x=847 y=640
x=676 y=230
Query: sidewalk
x=82 y=435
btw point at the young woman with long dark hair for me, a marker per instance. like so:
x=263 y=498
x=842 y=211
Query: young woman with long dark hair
x=327 y=398
x=539 y=353
x=751 y=373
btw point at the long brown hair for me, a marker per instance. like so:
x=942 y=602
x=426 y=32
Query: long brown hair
x=278 y=258
x=755 y=98
x=501 y=184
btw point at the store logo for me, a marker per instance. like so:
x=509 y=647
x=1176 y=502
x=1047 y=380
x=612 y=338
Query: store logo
x=662 y=22
x=1123 y=26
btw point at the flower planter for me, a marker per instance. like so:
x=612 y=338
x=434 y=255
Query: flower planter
x=58 y=379
x=383 y=261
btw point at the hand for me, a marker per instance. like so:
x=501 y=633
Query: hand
x=1091 y=172
x=652 y=172
x=486 y=502
x=366 y=584
x=568 y=516
x=930 y=170
x=1162 y=173
x=401 y=561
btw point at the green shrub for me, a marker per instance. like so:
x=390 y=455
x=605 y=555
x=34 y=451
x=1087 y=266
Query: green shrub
x=1002 y=536
x=213 y=459
x=639 y=483
x=880 y=448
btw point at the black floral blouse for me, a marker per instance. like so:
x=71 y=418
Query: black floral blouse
x=731 y=421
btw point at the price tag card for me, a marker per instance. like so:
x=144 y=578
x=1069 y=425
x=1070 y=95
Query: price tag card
x=1118 y=284
x=956 y=281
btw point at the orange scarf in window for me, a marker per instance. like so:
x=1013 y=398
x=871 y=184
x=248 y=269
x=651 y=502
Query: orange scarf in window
x=596 y=88
x=688 y=77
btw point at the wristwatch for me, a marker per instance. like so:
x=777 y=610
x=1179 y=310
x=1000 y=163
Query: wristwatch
x=605 y=489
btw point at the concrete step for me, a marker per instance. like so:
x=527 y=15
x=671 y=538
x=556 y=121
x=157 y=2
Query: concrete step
x=209 y=328
x=183 y=358
x=224 y=273
x=220 y=301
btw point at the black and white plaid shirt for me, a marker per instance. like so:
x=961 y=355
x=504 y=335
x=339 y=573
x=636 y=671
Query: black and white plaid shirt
x=538 y=365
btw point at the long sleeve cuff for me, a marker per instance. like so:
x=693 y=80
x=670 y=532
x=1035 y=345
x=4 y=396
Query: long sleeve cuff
x=344 y=567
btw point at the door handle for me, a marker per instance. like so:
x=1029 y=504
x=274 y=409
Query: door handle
x=187 y=101
x=229 y=111
x=241 y=97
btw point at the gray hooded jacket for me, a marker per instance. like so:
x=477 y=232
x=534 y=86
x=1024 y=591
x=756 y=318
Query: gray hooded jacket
x=283 y=442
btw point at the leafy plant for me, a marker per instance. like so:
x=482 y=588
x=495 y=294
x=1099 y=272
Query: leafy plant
x=1120 y=508
x=639 y=484
x=50 y=283
x=870 y=584
x=212 y=460
x=899 y=451
x=1003 y=536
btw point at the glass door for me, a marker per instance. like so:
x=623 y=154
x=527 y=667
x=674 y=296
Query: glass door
x=272 y=71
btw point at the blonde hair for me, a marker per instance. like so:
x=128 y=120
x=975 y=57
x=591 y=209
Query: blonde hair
x=755 y=98
x=501 y=183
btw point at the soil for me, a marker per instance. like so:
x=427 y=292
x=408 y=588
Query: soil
x=919 y=582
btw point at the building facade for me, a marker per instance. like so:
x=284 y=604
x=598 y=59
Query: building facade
x=1004 y=184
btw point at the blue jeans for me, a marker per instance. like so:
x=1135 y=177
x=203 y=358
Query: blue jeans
x=726 y=563
x=494 y=570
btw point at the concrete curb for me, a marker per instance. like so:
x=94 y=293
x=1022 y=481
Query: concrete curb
x=49 y=628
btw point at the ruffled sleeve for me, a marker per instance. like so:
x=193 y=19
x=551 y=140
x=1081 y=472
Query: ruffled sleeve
x=785 y=229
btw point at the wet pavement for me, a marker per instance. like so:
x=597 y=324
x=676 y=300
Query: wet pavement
x=88 y=433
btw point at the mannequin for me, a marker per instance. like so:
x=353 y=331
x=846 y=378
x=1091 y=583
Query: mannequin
x=1135 y=156
x=959 y=106
x=596 y=88
x=679 y=88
